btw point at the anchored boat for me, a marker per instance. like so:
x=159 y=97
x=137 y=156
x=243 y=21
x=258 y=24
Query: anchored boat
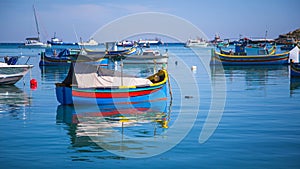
x=10 y=72
x=91 y=84
x=240 y=57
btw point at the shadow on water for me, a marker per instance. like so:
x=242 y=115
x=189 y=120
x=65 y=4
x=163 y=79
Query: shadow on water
x=104 y=128
x=13 y=101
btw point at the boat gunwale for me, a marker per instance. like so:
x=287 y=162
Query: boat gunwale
x=252 y=56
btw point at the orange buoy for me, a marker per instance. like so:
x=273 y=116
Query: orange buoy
x=33 y=84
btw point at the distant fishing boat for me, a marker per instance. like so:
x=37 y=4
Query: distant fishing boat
x=240 y=57
x=111 y=52
x=196 y=43
x=35 y=41
x=66 y=57
x=149 y=42
x=217 y=41
x=125 y=43
x=90 y=42
x=56 y=41
x=94 y=85
x=10 y=72
x=149 y=56
x=120 y=53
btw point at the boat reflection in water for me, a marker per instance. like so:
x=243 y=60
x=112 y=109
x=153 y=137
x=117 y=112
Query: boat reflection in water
x=53 y=73
x=294 y=85
x=256 y=77
x=108 y=127
x=13 y=101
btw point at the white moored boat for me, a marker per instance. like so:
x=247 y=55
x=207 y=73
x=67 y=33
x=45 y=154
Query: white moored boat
x=196 y=43
x=147 y=57
x=10 y=73
x=90 y=42
x=35 y=41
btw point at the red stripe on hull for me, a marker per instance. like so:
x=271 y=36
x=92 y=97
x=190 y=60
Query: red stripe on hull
x=111 y=94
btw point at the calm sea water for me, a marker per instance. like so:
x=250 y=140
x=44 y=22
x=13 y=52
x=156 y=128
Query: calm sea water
x=231 y=117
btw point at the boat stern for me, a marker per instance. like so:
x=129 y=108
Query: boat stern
x=63 y=94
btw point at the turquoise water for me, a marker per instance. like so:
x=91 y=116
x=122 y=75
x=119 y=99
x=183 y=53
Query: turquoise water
x=259 y=127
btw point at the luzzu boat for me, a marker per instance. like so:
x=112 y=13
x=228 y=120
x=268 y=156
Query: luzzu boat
x=113 y=54
x=90 y=84
x=240 y=57
x=147 y=57
x=68 y=56
x=58 y=57
x=55 y=57
x=107 y=53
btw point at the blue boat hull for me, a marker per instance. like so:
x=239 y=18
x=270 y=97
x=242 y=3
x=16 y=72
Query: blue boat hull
x=295 y=70
x=227 y=59
x=51 y=61
x=160 y=94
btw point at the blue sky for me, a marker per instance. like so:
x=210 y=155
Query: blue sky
x=229 y=18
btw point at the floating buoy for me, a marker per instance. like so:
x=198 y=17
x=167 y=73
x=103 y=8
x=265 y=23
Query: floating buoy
x=33 y=84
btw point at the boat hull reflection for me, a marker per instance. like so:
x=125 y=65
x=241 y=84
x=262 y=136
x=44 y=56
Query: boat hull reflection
x=12 y=101
x=95 y=125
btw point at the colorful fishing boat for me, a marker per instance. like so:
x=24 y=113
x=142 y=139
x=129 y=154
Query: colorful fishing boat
x=148 y=56
x=66 y=57
x=91 y=84
x=122 y=53
x=240 y=57
x=112 y=52
x=110 y=56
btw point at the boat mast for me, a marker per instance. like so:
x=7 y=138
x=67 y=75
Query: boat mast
x=36 y=22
